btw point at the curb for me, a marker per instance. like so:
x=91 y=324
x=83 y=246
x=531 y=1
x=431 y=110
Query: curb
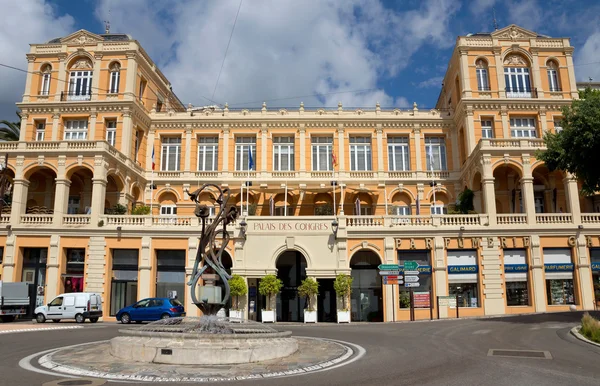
x=575 y=333
x=39 y=329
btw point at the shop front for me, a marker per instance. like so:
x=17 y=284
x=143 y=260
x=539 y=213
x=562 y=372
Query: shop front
x=516 y=278
x=366 y=297
x=558 y=268
x=124 y=282
x=34 y=273
x=463 y=277
x=73 y=277
x=421 y=294
x=595 y=262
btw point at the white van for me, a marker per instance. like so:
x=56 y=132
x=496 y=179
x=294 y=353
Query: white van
x=76 y=305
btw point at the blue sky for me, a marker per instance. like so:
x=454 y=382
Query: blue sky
x=397 y=50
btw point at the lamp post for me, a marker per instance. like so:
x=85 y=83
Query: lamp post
x=334 y=226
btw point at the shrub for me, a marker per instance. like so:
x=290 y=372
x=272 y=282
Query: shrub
x=343 y=287
x=590 y=328
x=141 y=210
x=269 y=285
x=238 y=288
x=309 y=288
x=324 y=210
x=119 y=209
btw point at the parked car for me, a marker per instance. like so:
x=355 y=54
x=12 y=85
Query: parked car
x=76 y=305
x=151 y=309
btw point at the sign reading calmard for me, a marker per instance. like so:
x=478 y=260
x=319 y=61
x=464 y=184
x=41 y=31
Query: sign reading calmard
x=301 y=226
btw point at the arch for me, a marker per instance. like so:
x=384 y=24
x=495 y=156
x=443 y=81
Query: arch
x=46 y=68
x=553 y=63
x=476 y=181
x=206 y=198
x=402 y=190
x=80 y=190
x=441 y=197
x=167 y=198
x=365 y=249
x=136 y=193
x=41 y=190
x=114 y=66
x=36 y=166
x=74 y=167
x=508 y=163
x=322 y=199
x=481 y=62
x=516 y=51
x=439 y=190
x=291 y=268
x=280 y=200
x=79 y=55
x=401 y=198
x=299 y=248
x=167 y=189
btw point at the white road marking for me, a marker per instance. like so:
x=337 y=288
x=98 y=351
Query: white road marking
x=39 y=329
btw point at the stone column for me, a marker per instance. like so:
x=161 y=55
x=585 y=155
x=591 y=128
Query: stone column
x=489 y=192
x=417 y=137
x=8 y=265
x=126 y=133
x=55 y=126
x=543 y=122
x=62 y=77
x=505 y=122
x=582 y=263
x=535 y=66
x=391 y=291
x=92 y=128
x=464 y=73
x=150 y=147
x=538 y=284
x=23 y=127
x=499 y=72
x=131 y=76
x=190 y=307
x=263 y=149
x=303 y=158
x=440 y=276
x=96 y=268
x=96 y=76
x=571 y=69
x=380 y=152
x=572 y=193
x=470 y=127
x=61 y=200
x=491 y=274
x=19 y=201
x=30 y=74
x=527 y=190
x=341 y=156
x=99 y=183
x=188 y=148
x=52 y=268
x=454 y=142
x=145 y=269
x=225 y=156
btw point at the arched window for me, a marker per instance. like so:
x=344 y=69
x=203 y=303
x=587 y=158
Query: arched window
x=80 y=80
x=517 y=77
x=483 y=83
x=115 y=77
x=553 y=76
x=46 y=76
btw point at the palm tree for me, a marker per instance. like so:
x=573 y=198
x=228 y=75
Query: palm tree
x=11 y=131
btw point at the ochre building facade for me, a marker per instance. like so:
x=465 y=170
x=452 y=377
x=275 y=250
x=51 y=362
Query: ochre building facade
x=325 y=191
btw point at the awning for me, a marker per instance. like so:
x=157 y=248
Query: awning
x=72 y=275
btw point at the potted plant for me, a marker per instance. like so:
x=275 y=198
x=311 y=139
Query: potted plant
x=309 y=289
x=237 y=285
x=269 y=285
x=140 y=210
x=343 y=288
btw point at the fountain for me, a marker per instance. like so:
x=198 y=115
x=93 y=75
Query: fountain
x=209 y=339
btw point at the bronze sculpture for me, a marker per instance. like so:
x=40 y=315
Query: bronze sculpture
x=208 y=251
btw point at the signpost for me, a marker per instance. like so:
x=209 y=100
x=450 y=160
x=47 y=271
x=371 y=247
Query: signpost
x=389 y=267
x=411 y=284
x=411 y=265
x=389 y=273
x=412 y=279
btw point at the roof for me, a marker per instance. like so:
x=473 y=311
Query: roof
x=107 y=37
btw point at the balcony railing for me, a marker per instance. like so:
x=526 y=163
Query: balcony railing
x=76 y=219
x=418 y=221
x=36 y=219
x=4 y=218
x=554 y=218
x=511 y=218
x=75 y=96
x=590 y=218
x=521 y=92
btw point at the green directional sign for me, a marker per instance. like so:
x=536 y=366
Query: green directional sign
x=388 y=267
x=410 y=265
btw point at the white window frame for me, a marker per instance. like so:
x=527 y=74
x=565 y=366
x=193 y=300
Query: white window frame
x=358 y=145
x=75 y=130
x=487 y=128
x=435 y=146
x=553 y=79
x=482 y=80
x=80 y=85
x=111 y=131
x=208 y=162
x=281 y=146
x=241 y=152
x=170 y=147
x=401 y=210
x=169 y=210
x=402 y=162
x=45 y=84
x=321 y=145
x=143 y=84
x=40 y=130
x=558 y=126
x=438 y=209
x=523 y=127
x=115 y=78
x=518 y=82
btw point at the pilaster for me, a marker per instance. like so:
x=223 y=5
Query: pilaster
x=30 y=75
x=145 y=269
x=62 y=77
x=341 y=144
x=8 y=265
x=55 y=125
x=150 y=146
x=505 y=123
x=92 y=128
x=572 y=82
x=23 y=132
x=131 y=77
x=96 y=268
x=225 y=157
x=464 y=73
x=417 y=139
x=500 y=72
x=52 y=268
x=527 y=189
x=302 y=133
x=440 y=276
x=489 y=192
x=263 y=148
x=543 y=122
x=379 y=136
x=127 y=132
x=537 y=274
x=537 y=80
x=493 y=291
x=583 y=265
x=188 y=148
x=470 y=126
x=96 y=76
x=572 y=193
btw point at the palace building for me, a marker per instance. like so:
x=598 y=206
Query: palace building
x=104 y=140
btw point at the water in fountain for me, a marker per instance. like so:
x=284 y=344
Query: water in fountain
x=208 y=324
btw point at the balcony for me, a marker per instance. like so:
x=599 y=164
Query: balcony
x=75 y=96
x=511 y=218
x=554 y=218
x=431 y=221
x=521 y=92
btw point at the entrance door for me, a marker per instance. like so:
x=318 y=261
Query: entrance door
x=366 y=297
x=291 y=269
x=539 y=202
x=34 y=273
x=326 y=311
x=73 y=206
x=123 y=293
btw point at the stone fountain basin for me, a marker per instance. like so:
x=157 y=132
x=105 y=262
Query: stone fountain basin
x=201 y=348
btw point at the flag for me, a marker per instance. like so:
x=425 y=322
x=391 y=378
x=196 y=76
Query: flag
x=272 y=205
x=153 y=160
x=333 y=159
x=357 y=207
x=250 y=160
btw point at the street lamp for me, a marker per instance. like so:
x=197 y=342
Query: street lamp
x=334 y=226
x=243 y=226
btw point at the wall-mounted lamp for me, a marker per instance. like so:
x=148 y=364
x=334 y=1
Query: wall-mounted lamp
x=579 y=227
x=334 y=226
x=462 y=228
x=243 y=226
x=119 y=229
x=8 y=227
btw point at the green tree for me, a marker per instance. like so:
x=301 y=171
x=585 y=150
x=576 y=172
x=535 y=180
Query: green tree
x=465 y=201
x=238 y=288
x=269 y=285
x=576 y=149
x=343 y=287
x=309 y=288
x=10 y=131
x=141 y=210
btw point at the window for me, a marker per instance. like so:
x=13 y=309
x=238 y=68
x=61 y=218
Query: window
x=73 y=279
x=360 y=153
x=138 y=143
x=76 y=130
x=435 y=148
x=208 y=150
x=321 y=153
x=515 y=275
x=558 y=269
x=111 y=132
x=438 y=209
x=171 y=153
x=517 y=82
x=482 y=75
x=142 y=88
x=522 y=128
x=46 y=76
x=557 y=126
x=56 y=302
x=400 y=210
x=123 y=291
x=463 y=277
x=170 y=273
x=168 y=210
x=398 y=154
x=80 y=85
x=553 y=76
x=244 y=146
x=487 y=130
x=421 y=293
x=115 y=77
x=40 y=129
x=159 y=104
x=283 y=154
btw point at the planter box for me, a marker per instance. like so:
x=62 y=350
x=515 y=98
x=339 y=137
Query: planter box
x=268 y=316
x=236 y=314
x=343 y=316
x=310 y=316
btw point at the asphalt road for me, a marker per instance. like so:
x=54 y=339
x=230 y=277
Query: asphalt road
x=448 y=352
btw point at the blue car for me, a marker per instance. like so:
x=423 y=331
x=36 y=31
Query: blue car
x=151 y=309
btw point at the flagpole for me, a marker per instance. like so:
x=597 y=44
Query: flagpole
x=248 y=181
x=286 y=202
x=432 y=175
x=386 y=199
x=333 y=183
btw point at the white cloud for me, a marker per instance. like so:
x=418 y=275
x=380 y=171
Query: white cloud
x=587 y=59
x=282 y=48
x=24 y=22
x=436 y=81
x=528 y=14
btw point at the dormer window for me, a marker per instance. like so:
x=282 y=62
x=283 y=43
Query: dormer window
x=517 y=77
x=483 y=83
x=553 y=80
x=115 y=78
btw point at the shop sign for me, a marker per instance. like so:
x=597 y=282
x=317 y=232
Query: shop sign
x=558 y=267
x=447 y=301
x=596 y=266
x=300 y=226
x=423 y=269
x=421 y=300
x=515 y=268
x=456 y=269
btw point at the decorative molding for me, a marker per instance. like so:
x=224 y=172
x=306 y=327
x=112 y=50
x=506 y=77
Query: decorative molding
x=515 y=60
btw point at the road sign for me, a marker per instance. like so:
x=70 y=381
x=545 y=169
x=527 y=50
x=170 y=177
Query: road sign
x=411 y=273
x=393 y=277
x=389 y=267
x=411 y=279
x=421 y=300
x=390 y=280
x=388 y=273
x=411 y=265
x=412 y=284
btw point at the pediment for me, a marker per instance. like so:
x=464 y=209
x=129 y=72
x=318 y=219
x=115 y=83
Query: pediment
x=514 y=32
x=81 y=38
